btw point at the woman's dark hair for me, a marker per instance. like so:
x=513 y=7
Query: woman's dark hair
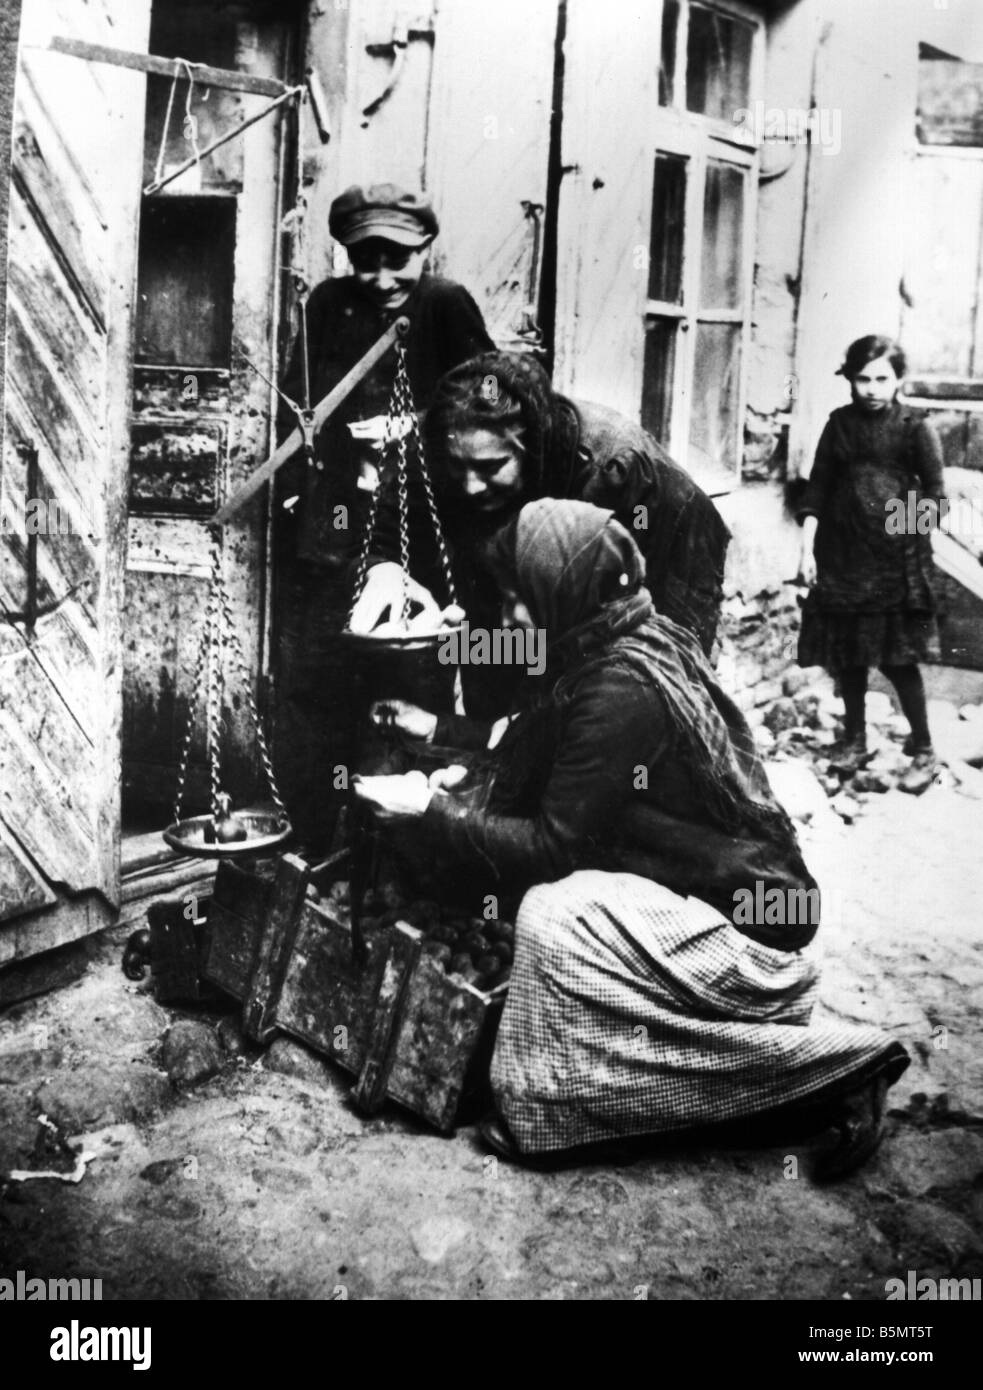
x=868 y=349
x=479 y=401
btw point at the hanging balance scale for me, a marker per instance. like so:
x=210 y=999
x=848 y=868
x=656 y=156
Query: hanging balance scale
x=224 y=833
x=402 y=632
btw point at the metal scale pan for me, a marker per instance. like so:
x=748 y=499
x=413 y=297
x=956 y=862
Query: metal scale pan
x=266 y=831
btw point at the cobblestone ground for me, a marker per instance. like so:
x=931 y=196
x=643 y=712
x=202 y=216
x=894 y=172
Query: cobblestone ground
x=260 y=1182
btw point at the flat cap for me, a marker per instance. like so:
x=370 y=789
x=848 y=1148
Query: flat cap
x=382 y=210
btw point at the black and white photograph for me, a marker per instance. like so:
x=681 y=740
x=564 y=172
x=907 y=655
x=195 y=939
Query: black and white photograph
x=491 y=661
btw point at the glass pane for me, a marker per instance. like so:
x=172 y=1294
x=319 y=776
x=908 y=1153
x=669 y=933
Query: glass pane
x=668 y=225
x=659 y=370
x=667 y=54
x=950 y=100
x=718 y=64
x=184 y=282
x=723 y=236
x=716 y=375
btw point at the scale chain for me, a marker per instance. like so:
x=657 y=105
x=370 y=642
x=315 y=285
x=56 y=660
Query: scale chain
x=239 y=657
x=428 y=485
x=213 y=710
x=402 y=406
x=396 y=409
x=198 y=681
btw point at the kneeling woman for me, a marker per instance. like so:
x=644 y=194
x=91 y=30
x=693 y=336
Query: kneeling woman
x=627 y=806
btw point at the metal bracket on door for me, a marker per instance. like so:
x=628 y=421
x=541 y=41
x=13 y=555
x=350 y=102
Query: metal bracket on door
x=397 y=46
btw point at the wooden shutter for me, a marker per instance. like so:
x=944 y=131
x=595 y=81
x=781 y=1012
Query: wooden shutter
x=74 y=186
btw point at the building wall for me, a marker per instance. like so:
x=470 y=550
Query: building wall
x=853 y=251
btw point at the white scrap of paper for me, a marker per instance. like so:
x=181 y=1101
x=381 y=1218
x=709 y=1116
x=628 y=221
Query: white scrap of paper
x=76 y=1175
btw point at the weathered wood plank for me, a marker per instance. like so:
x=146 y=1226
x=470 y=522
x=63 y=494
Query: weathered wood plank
x=388 y=1012
x=441 y=1025
x=21 y=886
x=60 y=189
x=63 y=746
x=61 y=418
x=40 y=931
x=275 y=946
x=37 y=191
x=47 y=297
x=69 y=315
x=326 y=999
x=169 y=67
x=179 y=942
x=56 y=832
x=42 y=973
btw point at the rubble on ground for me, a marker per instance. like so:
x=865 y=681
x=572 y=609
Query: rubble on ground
x=802 y=729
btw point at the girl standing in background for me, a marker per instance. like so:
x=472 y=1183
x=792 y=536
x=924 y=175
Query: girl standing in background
x=871 y=601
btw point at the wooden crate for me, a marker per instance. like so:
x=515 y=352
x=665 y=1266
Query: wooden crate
x=392 y=1017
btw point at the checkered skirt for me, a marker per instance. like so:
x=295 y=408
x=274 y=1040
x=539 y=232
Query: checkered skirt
x=632 y=1010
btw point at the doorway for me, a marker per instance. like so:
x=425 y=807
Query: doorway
x=208 y=298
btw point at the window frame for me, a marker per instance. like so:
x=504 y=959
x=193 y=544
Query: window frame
x=698 y=139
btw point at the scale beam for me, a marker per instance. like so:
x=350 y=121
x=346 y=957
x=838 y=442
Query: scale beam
x=320 y=413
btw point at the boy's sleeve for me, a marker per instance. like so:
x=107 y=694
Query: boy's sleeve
x=819 y=478
x=463 y=331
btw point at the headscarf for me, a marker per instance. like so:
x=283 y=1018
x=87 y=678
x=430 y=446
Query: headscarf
x=570 y=562
x=571 y=559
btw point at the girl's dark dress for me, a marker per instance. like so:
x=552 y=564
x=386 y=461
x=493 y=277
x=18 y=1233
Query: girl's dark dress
x=873 y=603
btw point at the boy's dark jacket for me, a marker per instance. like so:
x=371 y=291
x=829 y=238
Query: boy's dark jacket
x=446 y=328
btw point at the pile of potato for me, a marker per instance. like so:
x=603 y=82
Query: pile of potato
x=468 y=948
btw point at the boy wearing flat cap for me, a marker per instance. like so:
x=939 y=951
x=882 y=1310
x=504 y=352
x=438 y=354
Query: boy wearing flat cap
x=387 y=232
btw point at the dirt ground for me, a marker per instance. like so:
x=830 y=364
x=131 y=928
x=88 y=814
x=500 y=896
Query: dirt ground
x=261 y=1182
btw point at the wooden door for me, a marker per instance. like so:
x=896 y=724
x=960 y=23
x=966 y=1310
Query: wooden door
x=207 y=300
x=72 y=243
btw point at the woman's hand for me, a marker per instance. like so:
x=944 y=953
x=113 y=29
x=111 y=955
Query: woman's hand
x=374 y=431
x=447 y=777
x=384 y=590
x=409 y=719
x=807 y=558
x=807 y=568
x=400 y=797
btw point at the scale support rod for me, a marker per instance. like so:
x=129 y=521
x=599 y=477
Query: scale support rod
x=321 y=412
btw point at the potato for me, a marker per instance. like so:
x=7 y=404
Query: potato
x=442 y=933
x=502 y=952
x=459 y=964
x=487 y=964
